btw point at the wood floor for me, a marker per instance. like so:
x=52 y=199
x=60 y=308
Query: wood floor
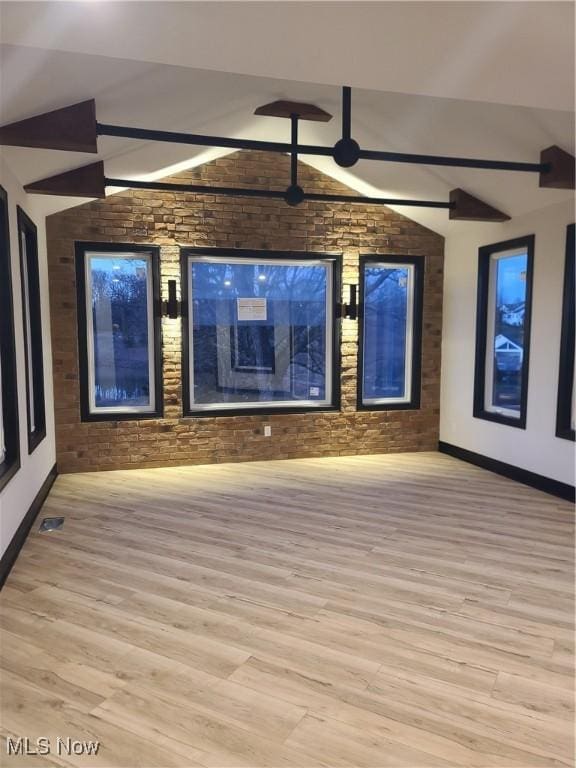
x=379 y=611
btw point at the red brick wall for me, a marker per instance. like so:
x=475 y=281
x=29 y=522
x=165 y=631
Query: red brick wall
x=171 y=220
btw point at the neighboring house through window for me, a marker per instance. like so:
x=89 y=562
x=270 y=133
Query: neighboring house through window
x=503 y=331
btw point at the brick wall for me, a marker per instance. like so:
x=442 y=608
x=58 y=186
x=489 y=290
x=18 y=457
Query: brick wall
x=171 y=220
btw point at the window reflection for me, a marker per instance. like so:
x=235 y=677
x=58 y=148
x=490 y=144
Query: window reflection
x=388 y=296
x=120 y=308
x=260 y=332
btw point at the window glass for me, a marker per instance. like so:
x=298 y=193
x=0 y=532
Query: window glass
x=119 y=308
x=27 y=329
x=566 y=406
x=2 y=439
x=33 y=330
x=505 y=347
x=390 y=338
x=9 y=428
x=573 y=399
x=503 y=331
x=260 y=332
x=388 y=302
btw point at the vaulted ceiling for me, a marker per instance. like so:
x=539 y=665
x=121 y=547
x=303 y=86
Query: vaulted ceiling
x=454 y=82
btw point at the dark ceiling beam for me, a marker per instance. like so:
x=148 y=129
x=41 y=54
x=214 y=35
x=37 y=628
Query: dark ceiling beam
x=294 y=195
x=347 y=151
x=87 y=181
x=454 y=162
x=328 y=198
x=560 y=172
x=75 y=129
x=90 y=181
x=165 y=186
x=199 y=140
x=311 y=149
x=71 y=129
x=195 y=189
x=288 y=108
x=466 y=207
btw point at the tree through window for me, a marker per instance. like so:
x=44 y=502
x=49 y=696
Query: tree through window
x=503 y=331
x=118 y=324
x=260 y=331
x=390 y=342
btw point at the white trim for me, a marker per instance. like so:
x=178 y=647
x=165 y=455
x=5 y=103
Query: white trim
x=409 y=342
x=328 y=264
x=116 y=255
x=495 y=258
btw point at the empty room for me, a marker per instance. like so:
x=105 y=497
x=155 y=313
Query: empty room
x=287 y=398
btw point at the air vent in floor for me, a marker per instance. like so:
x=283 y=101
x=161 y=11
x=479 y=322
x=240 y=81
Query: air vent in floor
x=51 y=524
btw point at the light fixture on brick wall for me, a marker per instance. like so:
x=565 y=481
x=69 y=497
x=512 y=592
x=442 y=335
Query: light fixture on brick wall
x=171 y=308
x=350 y=310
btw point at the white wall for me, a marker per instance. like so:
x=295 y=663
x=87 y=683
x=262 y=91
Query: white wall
x=17 y=496
x=536 y=448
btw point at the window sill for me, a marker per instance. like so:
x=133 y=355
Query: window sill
x=411 y=406
x=500 y=418
x=120 y=416
x=263 y=411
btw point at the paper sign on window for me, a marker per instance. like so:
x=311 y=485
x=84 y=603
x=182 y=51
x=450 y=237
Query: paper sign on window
x=251 y=309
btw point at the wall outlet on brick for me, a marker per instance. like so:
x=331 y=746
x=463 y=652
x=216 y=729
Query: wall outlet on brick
x=267 y=430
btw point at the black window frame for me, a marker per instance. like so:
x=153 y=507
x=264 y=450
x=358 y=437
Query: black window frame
x=266 y=409
x=484 y=253
x=11 y=463
x=81 y=248
x=419 y=263
x=34 y=363
x=566 y=381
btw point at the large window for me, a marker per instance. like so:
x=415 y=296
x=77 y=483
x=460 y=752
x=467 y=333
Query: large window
x=503 y=331
x=259 y=332
x=9 y=435
x=32 y=320
x=566 y=414
x=391 y=294
x=119 y=331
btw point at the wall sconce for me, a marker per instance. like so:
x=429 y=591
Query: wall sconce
x=351 y=309
x=171 y=308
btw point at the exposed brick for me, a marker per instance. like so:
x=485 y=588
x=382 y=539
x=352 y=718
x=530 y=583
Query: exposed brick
x=171 y=220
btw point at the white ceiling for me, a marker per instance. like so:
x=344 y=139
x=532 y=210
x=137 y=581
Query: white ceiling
x=503 y=52
x=52 y=57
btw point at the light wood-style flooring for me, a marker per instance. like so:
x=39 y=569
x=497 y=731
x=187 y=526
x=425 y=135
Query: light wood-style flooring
x=385 y=611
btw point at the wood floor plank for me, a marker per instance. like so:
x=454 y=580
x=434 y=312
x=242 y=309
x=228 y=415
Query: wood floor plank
x=535 y=696
x=343 y=745
x=29 y=710
x=459 y=739
x=196 y=732
x=364 y=612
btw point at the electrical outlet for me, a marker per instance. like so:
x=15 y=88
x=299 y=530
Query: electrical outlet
x=267 y=430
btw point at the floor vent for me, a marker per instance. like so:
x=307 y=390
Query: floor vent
x=51 y=524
